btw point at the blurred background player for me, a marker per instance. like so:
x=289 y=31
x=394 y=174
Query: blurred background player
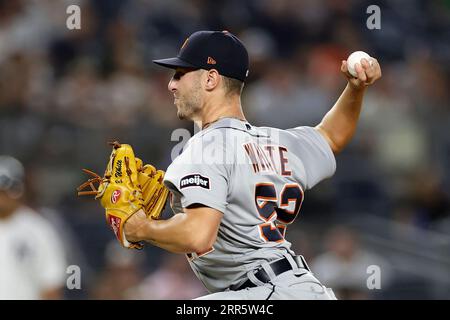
x=32 y=261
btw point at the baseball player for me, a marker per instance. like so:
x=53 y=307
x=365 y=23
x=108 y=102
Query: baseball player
x=235 y=188
x=32 y=259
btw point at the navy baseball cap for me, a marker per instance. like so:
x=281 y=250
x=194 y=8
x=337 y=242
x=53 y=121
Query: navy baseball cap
x=207 y=50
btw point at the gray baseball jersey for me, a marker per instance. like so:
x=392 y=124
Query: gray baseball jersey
x=255 y=176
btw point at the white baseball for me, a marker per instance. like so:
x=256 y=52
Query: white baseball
x=355 y=58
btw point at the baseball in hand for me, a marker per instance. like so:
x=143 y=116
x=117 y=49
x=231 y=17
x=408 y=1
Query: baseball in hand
x=355 y=58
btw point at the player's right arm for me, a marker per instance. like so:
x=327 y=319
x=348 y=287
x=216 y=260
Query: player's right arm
x=339 y=124
x=194 y=230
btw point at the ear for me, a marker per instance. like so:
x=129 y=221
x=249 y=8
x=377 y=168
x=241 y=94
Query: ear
x=212 y=79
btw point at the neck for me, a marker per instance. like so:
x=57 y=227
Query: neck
x=8 y=210
x=213 y=111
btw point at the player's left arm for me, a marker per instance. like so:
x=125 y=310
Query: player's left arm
x=339 y=124
x=194 y=230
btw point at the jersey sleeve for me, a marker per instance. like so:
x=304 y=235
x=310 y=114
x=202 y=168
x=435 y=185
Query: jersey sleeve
x=200 y=176
x=315 y=154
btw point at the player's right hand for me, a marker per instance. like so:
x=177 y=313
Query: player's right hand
x=367 y=73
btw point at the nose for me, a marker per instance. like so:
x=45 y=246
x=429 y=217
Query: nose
x=172 y=85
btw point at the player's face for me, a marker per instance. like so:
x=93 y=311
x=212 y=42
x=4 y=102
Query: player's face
x=186 y=88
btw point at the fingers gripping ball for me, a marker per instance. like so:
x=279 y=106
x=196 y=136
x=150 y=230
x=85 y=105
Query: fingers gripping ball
x=120 y=191
x=355 y=58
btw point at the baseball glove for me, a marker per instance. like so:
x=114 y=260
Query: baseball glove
x=126 y=187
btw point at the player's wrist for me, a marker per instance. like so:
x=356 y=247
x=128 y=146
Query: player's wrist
x=356 y=88
x=134 y=227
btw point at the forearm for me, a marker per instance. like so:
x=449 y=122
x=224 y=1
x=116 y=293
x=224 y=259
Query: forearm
x=174 y=235
x=195 y=230
x=339 y=124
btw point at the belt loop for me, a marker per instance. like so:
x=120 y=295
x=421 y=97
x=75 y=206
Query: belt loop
x=266 y=267
x=302 y=260
x=251 y=276
x=296 y=267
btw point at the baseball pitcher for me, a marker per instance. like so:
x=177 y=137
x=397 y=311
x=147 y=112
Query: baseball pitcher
x=236 y=188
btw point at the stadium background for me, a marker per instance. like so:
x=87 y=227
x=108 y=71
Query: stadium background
x=64 y=93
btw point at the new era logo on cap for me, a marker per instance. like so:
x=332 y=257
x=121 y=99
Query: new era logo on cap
x=211 y=61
